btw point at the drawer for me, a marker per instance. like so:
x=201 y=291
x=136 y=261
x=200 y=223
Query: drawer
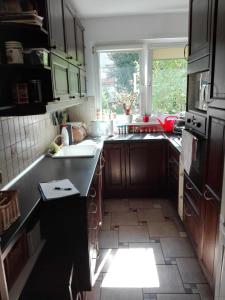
x=192 y=194
x=193 y=225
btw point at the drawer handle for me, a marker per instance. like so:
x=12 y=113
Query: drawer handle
x=92 y=192
x=95 y=227
x=94 y=208
x=188 y=187
x=187 y=214
x=207 y=197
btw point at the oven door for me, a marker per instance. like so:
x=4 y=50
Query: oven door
x=194 y=157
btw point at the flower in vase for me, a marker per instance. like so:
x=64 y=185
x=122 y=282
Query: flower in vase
x=126 y=100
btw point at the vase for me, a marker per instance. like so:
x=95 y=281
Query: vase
x=128 y=119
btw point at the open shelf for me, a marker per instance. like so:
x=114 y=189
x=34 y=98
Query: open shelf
x=28 y=28
x=22 y=67
x=23 y=109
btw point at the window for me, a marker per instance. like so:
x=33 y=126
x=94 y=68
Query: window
x=119 y=82
x=152 y=80
x=169 y=81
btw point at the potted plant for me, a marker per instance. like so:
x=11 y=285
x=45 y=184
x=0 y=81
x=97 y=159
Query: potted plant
x=127 y=99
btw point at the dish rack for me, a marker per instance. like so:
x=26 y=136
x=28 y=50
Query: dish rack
x=9 y=209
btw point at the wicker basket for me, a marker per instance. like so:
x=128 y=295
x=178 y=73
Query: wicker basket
x=9 y=209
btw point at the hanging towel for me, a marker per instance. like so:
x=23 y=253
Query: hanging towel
x=189 y=150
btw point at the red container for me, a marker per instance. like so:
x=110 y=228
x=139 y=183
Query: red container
x=168 y=123
x=146 y=118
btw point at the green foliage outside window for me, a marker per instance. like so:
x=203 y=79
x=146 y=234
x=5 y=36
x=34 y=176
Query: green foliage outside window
x=169 y=86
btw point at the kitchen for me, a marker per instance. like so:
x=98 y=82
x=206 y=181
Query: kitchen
x=148 y=219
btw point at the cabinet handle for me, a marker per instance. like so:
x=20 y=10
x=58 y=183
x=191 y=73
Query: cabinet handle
x=207 y=197
x=78 y=297
x=72 y=97
x=187 y=214
x=69 y=57
x=188 y=187
x=79 y=65
x=53 y=47
x=95 y=227
x=92 y=192
x=82 y=96
x=95 y=208
x=57 y=98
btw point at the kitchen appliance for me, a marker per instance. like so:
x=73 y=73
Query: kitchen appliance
x=195 y=125
x=100 y=128
x=179 y=126
x=198 y=91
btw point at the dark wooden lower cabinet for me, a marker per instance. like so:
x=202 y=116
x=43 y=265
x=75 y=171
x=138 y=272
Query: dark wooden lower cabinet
x=211 y=223
x=114 y=172
x=173 y=175
x=135 y=169
x=193 y=214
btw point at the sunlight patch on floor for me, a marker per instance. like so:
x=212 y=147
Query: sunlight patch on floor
x=132 y=268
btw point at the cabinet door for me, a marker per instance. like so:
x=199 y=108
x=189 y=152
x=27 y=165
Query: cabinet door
x=211 y=221
x=73 y=81
x=114 y=172
x=80 y=43
x=173 y=175
x=146 y=168
x=60 y=78
x=218 y=74
x=56 y=26
x=83 y=83
x=193 y=214
x=215 y=159
x=69 y=19
x=199 y=31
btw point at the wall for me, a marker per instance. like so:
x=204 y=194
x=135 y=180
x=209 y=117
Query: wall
x=129 y=29
x=22 y=141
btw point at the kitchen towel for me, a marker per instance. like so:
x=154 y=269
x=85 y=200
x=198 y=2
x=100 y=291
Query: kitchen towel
x=57 y=189
x=189 y=150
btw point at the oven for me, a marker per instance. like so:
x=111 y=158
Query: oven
x=194 y=148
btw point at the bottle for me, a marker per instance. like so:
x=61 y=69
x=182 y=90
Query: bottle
x=65 y=136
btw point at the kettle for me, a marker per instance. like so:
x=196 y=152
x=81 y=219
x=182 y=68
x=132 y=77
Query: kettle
x=168 y=123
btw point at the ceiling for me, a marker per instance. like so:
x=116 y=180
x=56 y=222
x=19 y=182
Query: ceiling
x=106 y=8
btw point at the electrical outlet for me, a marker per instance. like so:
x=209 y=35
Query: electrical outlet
x=1 y=177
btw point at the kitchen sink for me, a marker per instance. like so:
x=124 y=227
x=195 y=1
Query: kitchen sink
x=76 y=151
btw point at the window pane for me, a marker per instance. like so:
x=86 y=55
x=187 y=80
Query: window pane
x=169 y=83
x=120 y=82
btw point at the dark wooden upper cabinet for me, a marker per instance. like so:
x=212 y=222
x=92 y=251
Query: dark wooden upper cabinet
x=218 y=59
x=80 y=43
x=199 y=30
x=56 y=27
x=70 y=31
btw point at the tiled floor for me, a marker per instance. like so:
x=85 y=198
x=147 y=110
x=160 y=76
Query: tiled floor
x=145 y=254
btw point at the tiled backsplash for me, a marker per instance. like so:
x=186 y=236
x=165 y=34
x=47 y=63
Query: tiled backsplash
x=22 y=141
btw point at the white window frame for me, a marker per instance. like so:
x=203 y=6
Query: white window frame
x=146 y=50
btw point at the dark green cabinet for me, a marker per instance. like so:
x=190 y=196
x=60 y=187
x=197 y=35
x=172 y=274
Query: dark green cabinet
x=80 y=43
x=56 y=27
x=74 y=81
